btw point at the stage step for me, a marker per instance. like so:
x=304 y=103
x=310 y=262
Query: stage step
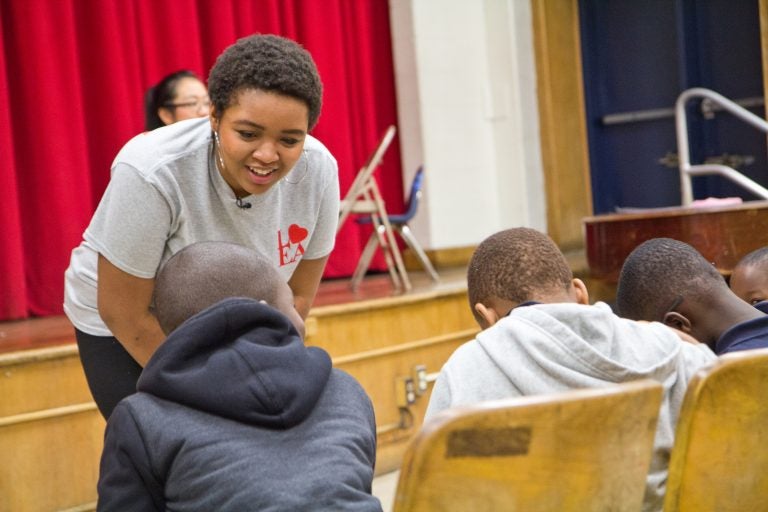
x=51 y=433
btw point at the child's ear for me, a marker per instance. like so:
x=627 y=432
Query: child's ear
x=582 y=295
x=488 y=315
x=677 y=321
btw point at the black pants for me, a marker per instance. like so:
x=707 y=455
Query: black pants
x=110 y=370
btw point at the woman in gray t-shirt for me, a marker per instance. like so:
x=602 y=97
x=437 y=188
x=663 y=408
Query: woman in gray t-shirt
x=249 y=173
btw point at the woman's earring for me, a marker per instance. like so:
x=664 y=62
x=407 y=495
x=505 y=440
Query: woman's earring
x=299 y=174
x=218 y=150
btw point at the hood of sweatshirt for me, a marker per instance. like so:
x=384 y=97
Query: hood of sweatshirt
x=546 y=346
x=242 y=360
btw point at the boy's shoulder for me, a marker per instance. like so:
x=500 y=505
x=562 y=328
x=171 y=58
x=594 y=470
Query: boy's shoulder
x=341 y=382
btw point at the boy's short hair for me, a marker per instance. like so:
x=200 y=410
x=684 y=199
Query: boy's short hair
x=204 y=273
x=268 y=63
x=517 y=265
x=754 y=258
x=660 y=271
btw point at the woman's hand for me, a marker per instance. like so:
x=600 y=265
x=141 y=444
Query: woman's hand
x=123 y=302
x=304 y=283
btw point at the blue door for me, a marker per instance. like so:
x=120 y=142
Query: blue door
x=638 y=56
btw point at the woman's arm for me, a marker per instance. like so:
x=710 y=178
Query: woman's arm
x=123 y=302
x=304 y=283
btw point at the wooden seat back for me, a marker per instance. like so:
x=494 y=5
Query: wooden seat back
x=720 y=458
x=579 y=450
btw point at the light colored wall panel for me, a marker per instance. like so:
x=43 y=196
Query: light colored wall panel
x=466 y=90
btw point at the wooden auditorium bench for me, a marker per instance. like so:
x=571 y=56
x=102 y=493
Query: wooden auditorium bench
x=720 y=459
x=580 y=450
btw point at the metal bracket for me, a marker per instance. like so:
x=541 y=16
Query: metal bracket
x=405 y=392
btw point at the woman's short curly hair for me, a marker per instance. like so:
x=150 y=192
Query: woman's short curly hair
x=269 y=63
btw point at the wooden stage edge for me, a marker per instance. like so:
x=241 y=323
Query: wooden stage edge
x=334 y=295
x=51 y=433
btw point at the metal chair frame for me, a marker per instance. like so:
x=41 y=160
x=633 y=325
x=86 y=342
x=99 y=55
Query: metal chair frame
x=400 y=225
x=364 y=198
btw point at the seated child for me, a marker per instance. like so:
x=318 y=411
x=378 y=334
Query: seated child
x=669 y=281
x=233 y=412
x=749 y=279
x=541 y=336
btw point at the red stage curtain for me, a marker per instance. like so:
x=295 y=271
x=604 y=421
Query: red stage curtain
x=72 y=80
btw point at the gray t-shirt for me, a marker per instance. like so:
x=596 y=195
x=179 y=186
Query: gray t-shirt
x=166 y=193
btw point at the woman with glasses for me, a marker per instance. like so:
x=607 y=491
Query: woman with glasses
x=180 y=95
x=248 y=173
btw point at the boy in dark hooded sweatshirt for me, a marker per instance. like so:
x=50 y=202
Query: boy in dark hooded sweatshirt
x=233 y=412
x=541 y=336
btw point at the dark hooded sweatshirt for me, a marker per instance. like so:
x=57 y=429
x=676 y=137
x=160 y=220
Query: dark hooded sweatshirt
x=234 y=413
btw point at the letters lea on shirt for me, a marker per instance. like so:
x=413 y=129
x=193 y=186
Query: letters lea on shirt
x=289 y=245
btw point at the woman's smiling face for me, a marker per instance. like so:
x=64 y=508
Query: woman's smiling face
x=260 y=138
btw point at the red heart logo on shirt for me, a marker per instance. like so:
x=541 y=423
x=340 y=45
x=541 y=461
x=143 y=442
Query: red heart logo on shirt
x=297 y=233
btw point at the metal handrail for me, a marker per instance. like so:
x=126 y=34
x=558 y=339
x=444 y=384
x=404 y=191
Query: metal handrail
x=683 y=150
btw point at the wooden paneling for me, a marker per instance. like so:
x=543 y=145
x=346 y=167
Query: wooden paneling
x=51 y=433
x=50 y=464
x=41 y=379
x=381 y=341
x=446 y=258
x=380 y=374
x=722 y=234
x=562 y=119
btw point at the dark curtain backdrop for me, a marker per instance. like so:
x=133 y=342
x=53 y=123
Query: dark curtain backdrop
x=72 y=80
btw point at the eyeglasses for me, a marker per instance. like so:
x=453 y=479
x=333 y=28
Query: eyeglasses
x=195 y=105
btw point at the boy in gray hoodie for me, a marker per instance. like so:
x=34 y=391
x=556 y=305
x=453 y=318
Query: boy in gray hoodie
x=233 y=412
x=541 y=336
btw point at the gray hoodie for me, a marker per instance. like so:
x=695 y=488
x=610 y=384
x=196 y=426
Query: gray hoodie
x=548 y=348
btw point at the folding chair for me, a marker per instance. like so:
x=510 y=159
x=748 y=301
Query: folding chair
x=584 y=450
x=364 y=198
x=720 y=458
x=400 y=223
